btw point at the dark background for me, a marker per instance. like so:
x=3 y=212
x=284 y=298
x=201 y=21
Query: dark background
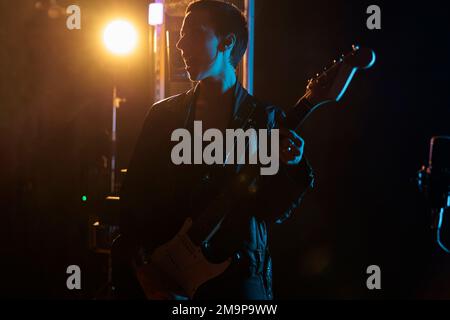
x=55 y=96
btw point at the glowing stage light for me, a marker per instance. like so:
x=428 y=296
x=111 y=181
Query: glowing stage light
x=155 y=14
x=84 y=198
x=120 y=37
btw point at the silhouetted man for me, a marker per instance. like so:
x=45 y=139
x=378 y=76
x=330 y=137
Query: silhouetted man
x=158 y=195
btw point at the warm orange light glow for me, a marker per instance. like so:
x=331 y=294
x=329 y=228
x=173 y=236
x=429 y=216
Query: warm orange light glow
x=120 y=37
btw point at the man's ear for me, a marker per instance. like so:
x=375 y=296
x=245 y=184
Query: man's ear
x=228 y=42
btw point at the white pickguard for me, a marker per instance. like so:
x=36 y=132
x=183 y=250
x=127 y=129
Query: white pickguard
x=183 y=262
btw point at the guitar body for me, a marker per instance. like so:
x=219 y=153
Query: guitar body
x=177 y=267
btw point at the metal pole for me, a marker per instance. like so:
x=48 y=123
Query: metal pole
x=115 y=104
x=113 y=141
x=249 y=55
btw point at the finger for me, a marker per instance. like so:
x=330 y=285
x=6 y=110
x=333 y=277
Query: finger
x=298 y=140
x=290 y=153
x=292 y=135
x=286 y=147
x=295 y=152
x=290 y=145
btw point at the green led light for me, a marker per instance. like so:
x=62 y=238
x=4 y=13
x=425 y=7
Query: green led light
x=84 y=198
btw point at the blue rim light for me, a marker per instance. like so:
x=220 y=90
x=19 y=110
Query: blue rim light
x=438 y=236
x=372 y=62
x=350 y=77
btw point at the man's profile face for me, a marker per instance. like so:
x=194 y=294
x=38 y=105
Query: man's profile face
x=199 y=45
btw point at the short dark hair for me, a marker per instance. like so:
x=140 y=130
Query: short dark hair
x=226 y=18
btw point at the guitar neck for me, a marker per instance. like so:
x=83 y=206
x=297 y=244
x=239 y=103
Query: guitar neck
x=297 y=114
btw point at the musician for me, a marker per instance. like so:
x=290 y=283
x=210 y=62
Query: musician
x=157 y=196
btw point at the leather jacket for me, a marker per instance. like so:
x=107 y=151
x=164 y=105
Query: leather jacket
x=157 y=196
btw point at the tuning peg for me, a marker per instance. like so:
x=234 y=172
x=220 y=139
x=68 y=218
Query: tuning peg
x=355 y=47
x=334 y=61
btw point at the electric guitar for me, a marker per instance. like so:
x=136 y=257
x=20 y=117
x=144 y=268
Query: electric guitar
x=180 y=266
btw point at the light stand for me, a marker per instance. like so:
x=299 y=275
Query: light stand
x=116 y=100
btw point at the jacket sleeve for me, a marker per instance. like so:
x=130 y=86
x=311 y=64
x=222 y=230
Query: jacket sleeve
x=135 y=204
x=280 y=194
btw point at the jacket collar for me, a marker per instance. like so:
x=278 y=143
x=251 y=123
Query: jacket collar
x=240 y=95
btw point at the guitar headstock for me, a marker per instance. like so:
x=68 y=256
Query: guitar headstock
x=331 y=84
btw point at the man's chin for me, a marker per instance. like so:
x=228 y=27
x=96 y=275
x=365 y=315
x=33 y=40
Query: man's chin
x=194 y=75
